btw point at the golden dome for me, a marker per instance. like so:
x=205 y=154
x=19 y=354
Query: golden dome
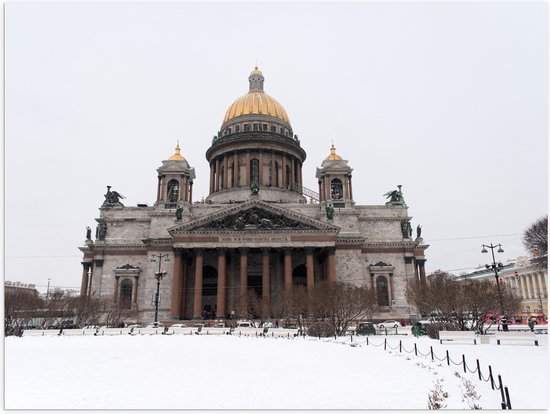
x=177 y=156
x=333 y=155
x=256 y=101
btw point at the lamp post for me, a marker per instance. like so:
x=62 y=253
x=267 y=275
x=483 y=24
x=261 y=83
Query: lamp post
x=158 y=275
x=495 y=266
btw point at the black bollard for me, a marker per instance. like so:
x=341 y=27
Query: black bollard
x=415 y=350
x=508 y=402
x=478 y=369
x=491 y=377
x=503 y=403
x=464 y=363
x=432 y=352
x=448 y=359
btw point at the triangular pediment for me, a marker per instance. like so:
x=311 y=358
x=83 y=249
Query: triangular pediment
x=253 y=216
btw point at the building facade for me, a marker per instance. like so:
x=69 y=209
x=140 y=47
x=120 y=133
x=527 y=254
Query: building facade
x=525 y=279
x=256 y=230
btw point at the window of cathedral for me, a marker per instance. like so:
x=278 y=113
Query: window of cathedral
x=336 y=189
x=247 y=127
x=382 y=291
x=126 y=288
x=173 y=191
x=255 y=127
x=273 y=128
x=221 y=177
x=254 y=170
x=264 y=127
x=229 y=130
x=237 y=128
x=282 y=131
x=277 y=169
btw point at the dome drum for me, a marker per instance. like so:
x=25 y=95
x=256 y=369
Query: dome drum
x=260 y=140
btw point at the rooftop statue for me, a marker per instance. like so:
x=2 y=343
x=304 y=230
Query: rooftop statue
x=396 y=197
x=112 y=198
x=254 y=188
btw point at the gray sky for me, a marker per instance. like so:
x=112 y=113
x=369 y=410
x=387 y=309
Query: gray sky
x=447 y=99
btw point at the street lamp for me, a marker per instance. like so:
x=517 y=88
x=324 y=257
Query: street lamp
x=158 y=275
x=495 y=266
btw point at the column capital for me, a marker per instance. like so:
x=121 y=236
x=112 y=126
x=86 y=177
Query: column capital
x=309 y=250
x=243 y=250
x=266 y=251
x=287 y=251
x=331 y=250
x=221 y=251
x=199 y=252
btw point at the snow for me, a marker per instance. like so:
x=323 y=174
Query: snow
x=232 y=372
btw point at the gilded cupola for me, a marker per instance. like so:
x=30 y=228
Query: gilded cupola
x=256 y=111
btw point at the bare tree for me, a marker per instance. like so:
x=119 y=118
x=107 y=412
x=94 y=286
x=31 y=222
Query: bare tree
x=342 y=303
x=19 y=310
x=535 y=240
x=462 y=304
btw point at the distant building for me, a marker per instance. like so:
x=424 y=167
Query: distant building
x=27 y=288
x=255 y=232
x=528 y=281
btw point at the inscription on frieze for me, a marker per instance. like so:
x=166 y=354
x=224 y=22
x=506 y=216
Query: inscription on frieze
x=244 y=239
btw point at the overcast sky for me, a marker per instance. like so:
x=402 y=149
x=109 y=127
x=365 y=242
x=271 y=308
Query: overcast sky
x=447 y=99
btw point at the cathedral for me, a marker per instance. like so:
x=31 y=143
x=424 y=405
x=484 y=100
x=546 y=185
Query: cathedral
x=259 y=230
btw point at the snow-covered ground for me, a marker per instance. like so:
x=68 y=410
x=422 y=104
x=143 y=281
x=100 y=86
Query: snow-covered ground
x=212 y=372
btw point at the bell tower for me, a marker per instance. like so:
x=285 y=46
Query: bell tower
x=334 y=179
x=175 y=181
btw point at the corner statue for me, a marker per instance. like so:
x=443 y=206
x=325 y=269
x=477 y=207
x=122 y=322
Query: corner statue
x=418 y=231
x=330 y=212
x=396 y=197
x=112 y=198
x=179 y=213
x=88 y=233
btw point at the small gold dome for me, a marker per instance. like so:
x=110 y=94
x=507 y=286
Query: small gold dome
x=177 y=156
x=333 y=155
x=256 y=101
x=256 y=71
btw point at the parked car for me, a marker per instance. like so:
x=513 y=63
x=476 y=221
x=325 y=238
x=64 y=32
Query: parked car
x=365 y=328
x=135 y=326
x=389 y=324
x=155 y=325
x=244 y=325
x=179 y=325
x=219 y=325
